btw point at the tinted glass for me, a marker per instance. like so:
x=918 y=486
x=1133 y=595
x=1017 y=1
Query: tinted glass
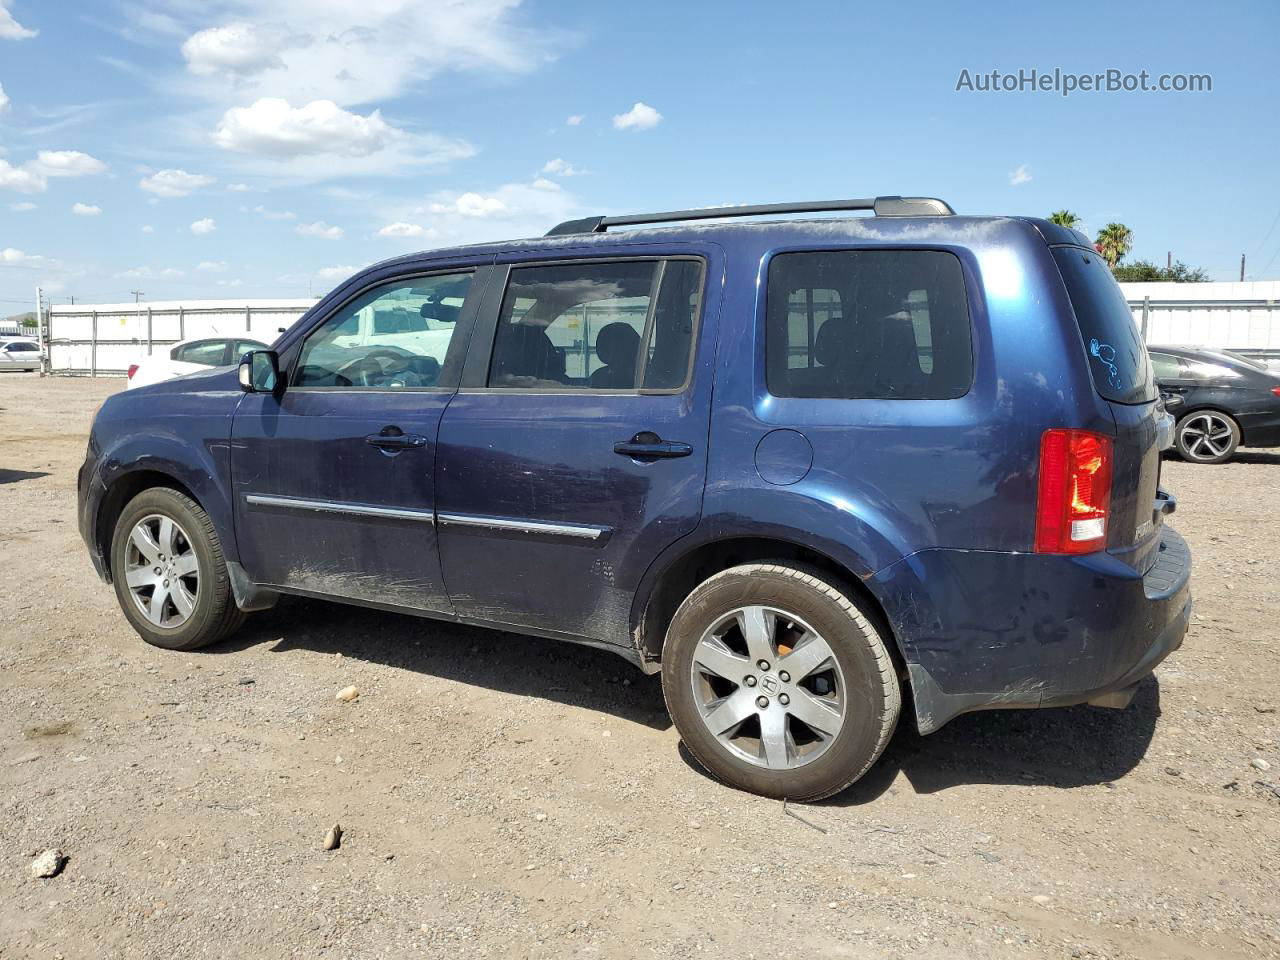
x=868 y=324
x=21 y=347
x=1117 y=356
x=1165 y=366
x=242 y=347
x=399 y=334
x=210 y=353
x=606 y=325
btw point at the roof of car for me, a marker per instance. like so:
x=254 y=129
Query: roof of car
x=968 y=231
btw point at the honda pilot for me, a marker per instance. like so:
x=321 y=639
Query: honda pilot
x=808 y=470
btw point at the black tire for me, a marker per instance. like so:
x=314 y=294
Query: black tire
x=214 y=614
x=872 y=695
x=1222 y=431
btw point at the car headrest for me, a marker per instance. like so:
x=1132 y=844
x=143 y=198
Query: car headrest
x=617 y=344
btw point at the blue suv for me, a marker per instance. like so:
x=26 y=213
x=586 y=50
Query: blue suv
x=805 y=469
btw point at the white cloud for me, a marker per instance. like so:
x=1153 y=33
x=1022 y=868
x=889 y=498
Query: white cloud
x=21 y=179
x=239 y=187
x=470 y=205
x=271 y=126
x=1020 y=175
x=561 y=168
x=212 y=266
x=4 y=100
x=148 y=228
x=322 y=140
x=319 y=229
x=639 y=117
x=9 y=257
x=66 y=163
x=351 y=53
x=150 y=273
x=509 y=210
x=237 y=48
x=86 y=209
x=204 y=226
x=229 y=283
x=401 y=229
x=22 y=207
x=11 y=29
x=340 y=272
x=270 y=214
x=575 y=120
x=174 y=183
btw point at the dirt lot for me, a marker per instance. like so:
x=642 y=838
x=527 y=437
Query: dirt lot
x=505 y=796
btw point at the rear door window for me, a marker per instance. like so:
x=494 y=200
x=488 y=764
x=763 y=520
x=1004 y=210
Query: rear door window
x=868 y=324
x=602 y=325
x=1117 y=356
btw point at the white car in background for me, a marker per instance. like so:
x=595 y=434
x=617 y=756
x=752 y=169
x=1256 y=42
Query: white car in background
x=188 y=356
x=19 y=353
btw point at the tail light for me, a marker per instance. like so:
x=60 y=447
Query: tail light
x=133 y=368
x=1276 y=391
x=1074 y=492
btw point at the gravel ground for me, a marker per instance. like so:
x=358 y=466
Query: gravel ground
x=512 y=797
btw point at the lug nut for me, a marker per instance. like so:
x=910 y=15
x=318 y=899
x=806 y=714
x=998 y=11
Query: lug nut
x=158 y=571
x=784 y=676
x=750 y=681
x=763 y=664
x=783 y=699
x=762 y=702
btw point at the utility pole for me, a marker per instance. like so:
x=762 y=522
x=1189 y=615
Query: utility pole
x=137 y=295
x=1168 y=260
x=1242 y=268
x=72 y=300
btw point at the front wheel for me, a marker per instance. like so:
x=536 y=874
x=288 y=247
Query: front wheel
x=169 y=573
x=1207 y=436
x=778 y=683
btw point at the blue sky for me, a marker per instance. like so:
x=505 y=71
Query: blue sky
x=218 y=148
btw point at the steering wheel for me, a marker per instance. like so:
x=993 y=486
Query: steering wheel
x=371 y=371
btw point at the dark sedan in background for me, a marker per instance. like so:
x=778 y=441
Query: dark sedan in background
x=1221 y=401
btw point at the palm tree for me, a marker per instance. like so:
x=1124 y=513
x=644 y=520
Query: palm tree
x=1114 y=241
x=1064 y=218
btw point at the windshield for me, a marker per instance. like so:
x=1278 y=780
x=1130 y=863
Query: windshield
x=1117 y=356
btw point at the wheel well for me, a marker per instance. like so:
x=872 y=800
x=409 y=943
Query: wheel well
x=118 y=496
x=679 y=580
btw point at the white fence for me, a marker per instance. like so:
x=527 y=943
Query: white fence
x=104 y=339
x=1244 y=317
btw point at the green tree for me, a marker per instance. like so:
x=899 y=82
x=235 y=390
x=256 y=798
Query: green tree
x=1145 y=270
x=1065 y=218
x=1114 y=241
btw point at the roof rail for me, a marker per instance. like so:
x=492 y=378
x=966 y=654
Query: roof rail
x=882 y=206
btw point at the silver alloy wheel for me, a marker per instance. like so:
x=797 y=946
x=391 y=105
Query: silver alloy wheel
x=1206 y=436
x=161 y=571
x=768 y=687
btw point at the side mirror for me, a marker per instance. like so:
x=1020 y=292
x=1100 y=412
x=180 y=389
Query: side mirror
x=259 y=371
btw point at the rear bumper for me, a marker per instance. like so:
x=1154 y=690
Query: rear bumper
x=986 y=630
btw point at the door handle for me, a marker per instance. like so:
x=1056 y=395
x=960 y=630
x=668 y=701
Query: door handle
x=396 y=441
x=647 y=445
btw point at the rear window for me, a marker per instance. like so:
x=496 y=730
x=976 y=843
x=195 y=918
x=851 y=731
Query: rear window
x=868 y=324
x=1117 y=356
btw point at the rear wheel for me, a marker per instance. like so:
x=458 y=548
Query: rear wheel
x=778 y=683
x=1207 y=436
x=169 y=573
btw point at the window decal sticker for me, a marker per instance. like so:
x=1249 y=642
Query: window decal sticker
x=1107 y=354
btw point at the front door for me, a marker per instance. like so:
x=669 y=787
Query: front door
x=576 y=449
x=334 y=478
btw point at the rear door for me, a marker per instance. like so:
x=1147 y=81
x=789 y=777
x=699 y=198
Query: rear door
x=1123 y=377
x=334 y=478
x=576 y=449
